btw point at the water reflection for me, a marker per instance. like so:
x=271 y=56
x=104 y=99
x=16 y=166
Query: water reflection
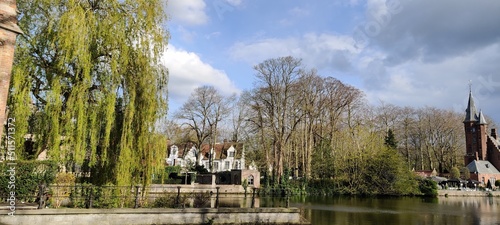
x=387 y=211
x=355 y=210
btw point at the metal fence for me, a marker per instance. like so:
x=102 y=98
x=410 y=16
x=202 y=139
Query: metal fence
x=90 y=196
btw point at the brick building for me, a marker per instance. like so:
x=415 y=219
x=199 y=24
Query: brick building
x=482 y=156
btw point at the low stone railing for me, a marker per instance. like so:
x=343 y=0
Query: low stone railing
x=144 y=216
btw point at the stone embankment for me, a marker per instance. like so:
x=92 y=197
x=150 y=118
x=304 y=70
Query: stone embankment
x=143 y=216
x=468 y=193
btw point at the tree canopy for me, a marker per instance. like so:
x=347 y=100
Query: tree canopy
x=88 y=80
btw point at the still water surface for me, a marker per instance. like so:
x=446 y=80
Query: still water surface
x=395 y=211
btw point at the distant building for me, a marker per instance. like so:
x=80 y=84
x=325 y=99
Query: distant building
x=227 y=159
x=482 y=156
x=224 y=156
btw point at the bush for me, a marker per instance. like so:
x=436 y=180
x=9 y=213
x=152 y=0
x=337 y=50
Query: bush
x=62 y=188
x=28 y=176
x=171 y=201
x=427 y=187
x=201 y=200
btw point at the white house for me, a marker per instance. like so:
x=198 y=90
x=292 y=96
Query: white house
x=225 y=156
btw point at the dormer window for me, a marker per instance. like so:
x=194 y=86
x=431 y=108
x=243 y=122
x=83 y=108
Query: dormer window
x=231 y=154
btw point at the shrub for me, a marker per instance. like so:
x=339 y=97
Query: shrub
x=427 y=187
x=28 y=176
x=201 y=200
x=171 y=201
x=62 y=188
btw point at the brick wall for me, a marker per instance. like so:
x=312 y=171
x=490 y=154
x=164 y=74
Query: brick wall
x=8 y=34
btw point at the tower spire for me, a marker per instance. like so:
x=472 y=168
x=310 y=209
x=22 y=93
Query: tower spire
x=471 y=111
x=481 y=118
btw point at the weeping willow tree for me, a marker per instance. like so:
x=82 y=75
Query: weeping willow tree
x=88 y=86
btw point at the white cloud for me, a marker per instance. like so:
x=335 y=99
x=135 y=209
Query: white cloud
x=416 y=82
x=316 y=50
x=297 y=11
x=187 y=71
x=234 y=2
x=187 y=12
x=442 y=84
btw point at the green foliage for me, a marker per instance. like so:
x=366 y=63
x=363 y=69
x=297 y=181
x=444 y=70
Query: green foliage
x=323 y=166
x=455 y=172
x=199 y=169
x=390 y=140
x=322 y=187
x=93 y=70
x=386 y=174
x=27 y=177
x=107 y=196
x=244 y=184
x=61 y=188
x=167 y=175
x=171 y=201
x=427 y=187
x=497 y=183
x=465 y=173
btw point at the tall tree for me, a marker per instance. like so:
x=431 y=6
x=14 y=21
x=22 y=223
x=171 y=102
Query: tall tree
x=390 y=140
x=91 y=75
x=202 y=113
x=273 y=100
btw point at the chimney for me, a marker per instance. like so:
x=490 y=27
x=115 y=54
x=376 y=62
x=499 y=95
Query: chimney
x=494 y=133
x=8 y=33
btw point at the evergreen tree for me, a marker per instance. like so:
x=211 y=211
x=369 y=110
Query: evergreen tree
x=390 y=140
x=87 y=74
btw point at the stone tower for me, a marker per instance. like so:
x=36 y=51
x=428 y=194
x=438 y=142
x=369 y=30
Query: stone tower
x=8 y=33
x=475 y=133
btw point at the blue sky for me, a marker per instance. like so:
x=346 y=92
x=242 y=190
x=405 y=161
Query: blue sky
x=403 y=52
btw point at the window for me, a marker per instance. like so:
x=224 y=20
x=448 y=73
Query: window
x=250 y=180
x=216 y=166
x=226 y=165
x=237 y=165
x=231 y=154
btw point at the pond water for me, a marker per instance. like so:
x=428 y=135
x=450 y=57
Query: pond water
x=395 y=211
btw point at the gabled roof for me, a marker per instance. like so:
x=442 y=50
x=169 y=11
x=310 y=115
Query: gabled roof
x=482 y=167
x=221 y=150
x=183 y=148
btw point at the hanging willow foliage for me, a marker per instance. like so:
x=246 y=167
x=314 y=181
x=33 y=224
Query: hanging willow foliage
x=88 y=77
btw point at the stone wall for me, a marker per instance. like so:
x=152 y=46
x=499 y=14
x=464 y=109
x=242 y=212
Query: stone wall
x=154 y=216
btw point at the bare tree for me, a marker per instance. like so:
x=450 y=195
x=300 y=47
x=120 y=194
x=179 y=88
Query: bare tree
x=202 y=113
x=272 y=102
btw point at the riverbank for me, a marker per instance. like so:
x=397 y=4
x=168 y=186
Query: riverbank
x=239 y=216
x=468 y=193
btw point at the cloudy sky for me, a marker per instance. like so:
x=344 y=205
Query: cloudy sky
x=404 y=52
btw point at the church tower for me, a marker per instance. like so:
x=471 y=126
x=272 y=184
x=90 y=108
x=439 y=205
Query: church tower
x=475 y=133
